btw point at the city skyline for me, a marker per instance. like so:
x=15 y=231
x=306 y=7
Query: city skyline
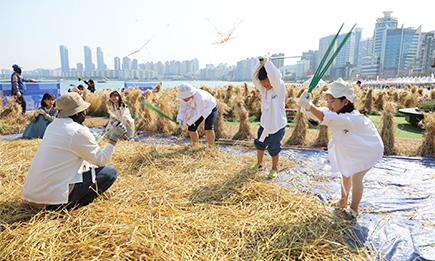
x=212 y=32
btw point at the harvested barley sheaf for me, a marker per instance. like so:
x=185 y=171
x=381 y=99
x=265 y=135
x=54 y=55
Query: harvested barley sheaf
x=171 y=202
x=387 y=133
x=427 y=148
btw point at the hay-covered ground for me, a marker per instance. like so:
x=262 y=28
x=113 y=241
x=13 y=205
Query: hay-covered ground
x=171 y=202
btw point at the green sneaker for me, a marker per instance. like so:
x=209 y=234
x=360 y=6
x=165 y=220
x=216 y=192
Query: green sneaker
x=256 y=167
x=272 y=174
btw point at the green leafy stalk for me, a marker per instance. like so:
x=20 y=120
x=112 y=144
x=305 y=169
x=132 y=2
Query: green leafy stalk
x=159 y=112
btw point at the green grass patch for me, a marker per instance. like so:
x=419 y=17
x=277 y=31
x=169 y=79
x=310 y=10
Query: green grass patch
x=402 y=128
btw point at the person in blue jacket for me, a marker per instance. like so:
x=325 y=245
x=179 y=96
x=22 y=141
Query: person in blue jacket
x=43 y=116
x=18 y=88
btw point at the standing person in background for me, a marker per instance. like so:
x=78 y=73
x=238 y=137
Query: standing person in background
x=42 y=117
x=267 y=78
x=18 y=88
x=90 y=84
x=56 y=178
x=202 y=105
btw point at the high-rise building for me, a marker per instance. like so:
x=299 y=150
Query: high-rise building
x=279 y=63
x=399 y=52
x=100 y=60
x=117 y=63
x=64 y=60
x=79 y=67
x=382 y=24
x=126 y=63
x=89 y=66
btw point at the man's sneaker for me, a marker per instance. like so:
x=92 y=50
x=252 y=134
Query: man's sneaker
x=272 y=174
x=256 y=167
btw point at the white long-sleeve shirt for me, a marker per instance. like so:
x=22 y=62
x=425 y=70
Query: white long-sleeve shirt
x=273 y=117
x=124 y=115
x=355 y=144
x=201 y=104
x=59 y=161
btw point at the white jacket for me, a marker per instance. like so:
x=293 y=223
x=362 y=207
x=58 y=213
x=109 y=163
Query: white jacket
x=201 y=104
x=273 y=117
x=59 y=161
x=355 y=144
x=124 y=115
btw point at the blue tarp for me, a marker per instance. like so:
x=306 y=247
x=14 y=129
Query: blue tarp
x=142 y=85
x=397 y=214
x=33 y=94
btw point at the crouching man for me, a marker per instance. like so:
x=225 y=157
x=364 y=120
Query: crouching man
x=56 y=179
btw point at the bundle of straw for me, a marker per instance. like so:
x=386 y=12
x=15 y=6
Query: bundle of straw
x=368 y=103
x=387 y=131
x=244 y=132
x=300 y=131
x=427 y=147
x=219 y=125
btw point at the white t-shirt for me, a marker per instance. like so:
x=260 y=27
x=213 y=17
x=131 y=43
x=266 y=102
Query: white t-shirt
x=201 y=104
x=273 y=117
x=59 y=161
x=355 y=144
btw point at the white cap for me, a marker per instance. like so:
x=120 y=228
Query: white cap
x=186 y=90
x=340 y=88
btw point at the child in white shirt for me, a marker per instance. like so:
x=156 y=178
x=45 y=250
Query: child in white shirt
x=267 y=78
x=355 y=146
x=201 y=105
x=120 y=112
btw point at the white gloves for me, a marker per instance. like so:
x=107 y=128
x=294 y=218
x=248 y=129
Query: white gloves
x=183 y=125
x=304 y=100
x=118 y=131
x=264 y=59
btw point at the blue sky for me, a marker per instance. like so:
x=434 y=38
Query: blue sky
x=184 y=29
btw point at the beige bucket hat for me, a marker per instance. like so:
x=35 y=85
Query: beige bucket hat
x=69 y=104
x=340 y=88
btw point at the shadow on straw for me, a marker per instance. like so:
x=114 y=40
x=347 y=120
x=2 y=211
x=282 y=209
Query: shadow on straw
x=16 y=212
x=218 y=193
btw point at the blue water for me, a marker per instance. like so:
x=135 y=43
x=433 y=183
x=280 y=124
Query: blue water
x=117 y=85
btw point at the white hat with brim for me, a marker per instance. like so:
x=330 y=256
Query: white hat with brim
x=185 y=91
x=340 y=88
x=69 y=104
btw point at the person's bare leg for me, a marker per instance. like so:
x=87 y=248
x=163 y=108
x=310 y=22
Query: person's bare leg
x=357 y=189
x=275 y=162
x=194 y=137
x=344 y=196
x=210 y=135
x=260 y=155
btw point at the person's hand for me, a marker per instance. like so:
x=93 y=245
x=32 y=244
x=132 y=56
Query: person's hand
x=18 y=94
x=118 y=131
x=264 y=59
x=304 y=100
x=80 y=79
x=36 y=113
x=183 y=125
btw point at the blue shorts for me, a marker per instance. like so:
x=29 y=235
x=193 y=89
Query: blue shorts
x=209 y=121
x=271 y=142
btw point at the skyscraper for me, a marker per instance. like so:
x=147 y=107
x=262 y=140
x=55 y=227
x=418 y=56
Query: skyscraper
x=117 y=62
x=382 y=24
x=100 y=60
x=64 y=60
x=89 y=66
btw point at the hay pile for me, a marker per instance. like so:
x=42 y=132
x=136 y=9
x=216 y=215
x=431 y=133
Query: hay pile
x=241 y=113
x=171 y=202
x=387 y=132
x=427 y=148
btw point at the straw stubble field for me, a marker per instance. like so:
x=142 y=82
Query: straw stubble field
x=171 y=202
